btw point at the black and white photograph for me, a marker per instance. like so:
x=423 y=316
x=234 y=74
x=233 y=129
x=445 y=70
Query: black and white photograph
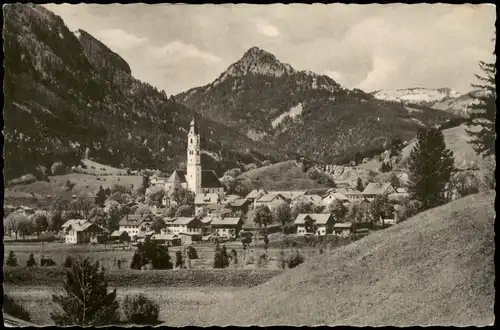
x=249 y=165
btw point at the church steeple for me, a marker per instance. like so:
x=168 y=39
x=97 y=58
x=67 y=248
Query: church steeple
x=193 y=173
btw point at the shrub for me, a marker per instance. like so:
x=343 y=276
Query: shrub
x=140 y=310
x=262 y=260
x=11 y=259
x=150 y=252
x=31 y=261
x=295 y=259
x=89 y=304
x=221 y=259
x=47 y=262
x=179 y=263
x=58 y=168
x=68 y=262
x=192 y=253
x=14 y=309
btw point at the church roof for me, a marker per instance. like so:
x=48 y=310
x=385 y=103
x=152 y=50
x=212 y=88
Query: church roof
x=208 y=178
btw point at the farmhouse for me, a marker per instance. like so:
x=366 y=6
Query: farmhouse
x=167 y=239
x=184 y=225
x=401 y=193
x=241 y=205
x=121 y=236
x=135 y=224
x=189 y=238
x=373 y=190
x=350 y=193
x=254 y=195
x=314 y=223
x=333 y=196
x=194 y=177
x=82 y=231
x=290 y=195
x=226 y=226
x=203 y=199
x=271 y=200
x=342 y=229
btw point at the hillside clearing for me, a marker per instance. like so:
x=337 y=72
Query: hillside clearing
x=281 y=176
x=436 y=268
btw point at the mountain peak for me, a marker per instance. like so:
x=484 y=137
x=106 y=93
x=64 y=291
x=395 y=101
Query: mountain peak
x=256 y=61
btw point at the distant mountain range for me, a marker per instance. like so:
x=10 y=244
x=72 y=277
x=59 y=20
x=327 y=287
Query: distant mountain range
x=442 y=98
x=67 y=94
x=67 y=91
x=300 y=112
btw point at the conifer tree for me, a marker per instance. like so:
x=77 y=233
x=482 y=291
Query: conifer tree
x=430 y=167
x=483 y=112
x=31 y=261
x=100 y=197
x=11 y=259
x=87 y=301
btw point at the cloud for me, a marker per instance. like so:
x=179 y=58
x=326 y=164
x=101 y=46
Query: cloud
x=178 y=51
x=266 y=28
x=382 y=70
x=335 y=75
x=120 y=39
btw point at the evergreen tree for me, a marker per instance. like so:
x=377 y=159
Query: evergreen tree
x=179 y=263
x=87 y=301
x=483 y=113
x=11 y=259
x=359 y=184
x=100 y=197
x=31 y=261
x=430 y=166
x=151 y=252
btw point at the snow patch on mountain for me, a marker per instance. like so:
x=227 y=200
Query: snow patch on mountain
x=292 y=113
x=416 y=95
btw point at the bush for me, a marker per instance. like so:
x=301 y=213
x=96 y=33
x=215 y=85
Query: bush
x=295 y=259
x=14 y=309
x=31 y=261
x=221 y=259
x=89 y=304
x=179 y=263
x=11 y=259
x=140 y=310
x=47 y=262
x=68 y=262
x=150 y=252
x=192 y=253
x=58 y=168
x=262 y=260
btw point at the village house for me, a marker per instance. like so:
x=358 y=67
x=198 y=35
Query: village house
x=167 y=239
x=194 y=177
x=120 y=236
x=400 y=194
x=254 y=195
x=271 y=200
x=314 y=200
x=136 y=224
x=342 y=229
x=184 y=225
x=374 y=189
x=351 y=193
x=226 y=226
x=314 y=223
x=240 y=205
x=217 y=209
x=333 y=196
x=203 y=199
x=190 y=238
x=289 y=195
x=83 y=231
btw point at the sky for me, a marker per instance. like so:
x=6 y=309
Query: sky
x=371 y=47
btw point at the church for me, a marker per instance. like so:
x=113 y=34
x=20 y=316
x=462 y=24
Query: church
x=194 y=178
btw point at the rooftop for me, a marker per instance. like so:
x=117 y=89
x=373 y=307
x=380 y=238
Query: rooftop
x=319 y=218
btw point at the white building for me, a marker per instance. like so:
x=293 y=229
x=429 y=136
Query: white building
x=136 y=224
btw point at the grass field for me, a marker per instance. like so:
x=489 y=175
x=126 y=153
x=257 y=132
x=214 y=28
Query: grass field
x=281 y=176
x=436 y=268
x=177 y=305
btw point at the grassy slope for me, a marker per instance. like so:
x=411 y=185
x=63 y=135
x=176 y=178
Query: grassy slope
x=434 y=269
x=456 y=140
x=281 y=176
x=86 y=184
